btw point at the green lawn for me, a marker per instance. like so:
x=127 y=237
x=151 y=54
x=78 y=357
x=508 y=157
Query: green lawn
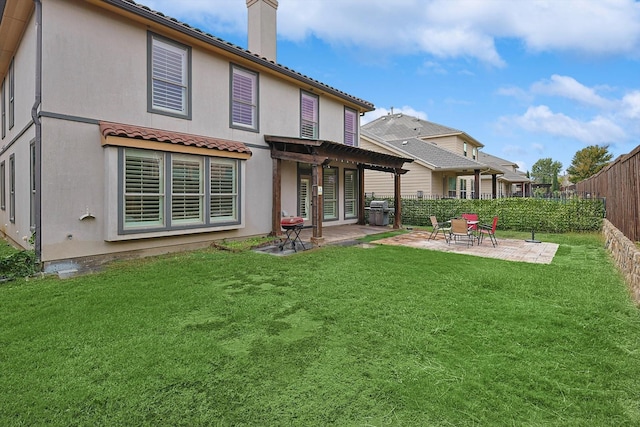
x=348 y=336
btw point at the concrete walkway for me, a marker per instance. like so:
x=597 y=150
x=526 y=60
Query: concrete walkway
x=507 y=249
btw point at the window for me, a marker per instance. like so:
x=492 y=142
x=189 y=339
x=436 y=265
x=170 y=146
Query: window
x=244 y=99
x=4 y=109
x=330 y=193
x=32 y=193
x=350 y=127
x=350 y=193
x=12 y=188
x=474 y=153
x=463 y=188
x=187 y=189
x=3 y=188
x=464 y=148
x=308 y=116
x=163 y=191
x=224 y=190
x=169 y=77
x=12 y=85
x=451 y=186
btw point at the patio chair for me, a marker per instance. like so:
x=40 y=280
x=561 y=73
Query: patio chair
x=460 y=229
x=471 y=217
x=488 y=230
x=437 y=227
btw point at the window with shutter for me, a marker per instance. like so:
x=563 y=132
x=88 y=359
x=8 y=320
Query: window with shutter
x=187 y=190
x=143 y=189
x=330 y=193
x=12 y=88
x=4 y=109
x=350 y=127
x=224 y=190
x=350 y=193
x=3 y=190
x=12 y=188
x=304 y=199
x=244 y=98
x=308 y=116
x=169 y=77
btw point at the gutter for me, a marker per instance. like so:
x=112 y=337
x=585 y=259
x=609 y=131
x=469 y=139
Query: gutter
x=38 y=141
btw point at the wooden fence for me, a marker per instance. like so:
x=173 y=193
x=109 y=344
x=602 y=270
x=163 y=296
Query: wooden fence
x=619 y=184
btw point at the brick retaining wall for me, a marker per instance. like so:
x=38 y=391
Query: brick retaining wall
x=626 y=255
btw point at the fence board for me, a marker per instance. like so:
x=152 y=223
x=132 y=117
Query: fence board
x=619 y=184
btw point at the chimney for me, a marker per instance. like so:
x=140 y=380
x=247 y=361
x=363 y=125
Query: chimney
x=262 y=27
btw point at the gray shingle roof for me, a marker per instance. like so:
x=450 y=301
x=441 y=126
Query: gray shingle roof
x=438 y=157
x=399 y=126
x=505 y=166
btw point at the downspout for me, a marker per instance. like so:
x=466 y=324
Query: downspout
x=38 y=142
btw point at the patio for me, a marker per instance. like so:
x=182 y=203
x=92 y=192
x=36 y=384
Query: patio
x=507 y=249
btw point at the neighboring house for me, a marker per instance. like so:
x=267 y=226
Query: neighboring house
x=128 y=133
x=447 y=161
x=512 y=182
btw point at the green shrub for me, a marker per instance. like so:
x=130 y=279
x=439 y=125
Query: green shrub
x=518 y=214
x=19 y=264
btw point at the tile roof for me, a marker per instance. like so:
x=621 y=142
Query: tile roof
x=159 y=17
x=189 y=140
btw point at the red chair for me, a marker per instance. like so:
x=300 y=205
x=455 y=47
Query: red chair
x=489 y=230
x=471 y=217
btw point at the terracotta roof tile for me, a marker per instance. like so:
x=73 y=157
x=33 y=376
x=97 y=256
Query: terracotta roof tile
x=189 y=140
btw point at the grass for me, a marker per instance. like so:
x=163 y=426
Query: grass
x=338 y=336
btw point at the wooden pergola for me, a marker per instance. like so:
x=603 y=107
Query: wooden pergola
x=319 y=153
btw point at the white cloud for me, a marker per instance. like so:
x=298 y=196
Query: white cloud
x=540 y=119
x=379 y=112
x=439 y=28
x=568 y=87
x=631 y=105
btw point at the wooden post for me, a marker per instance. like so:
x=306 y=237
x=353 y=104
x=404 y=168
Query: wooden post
x=494 y=185
x=476 y=184
x=361 y=202
x=276 y=209
x=397 y=217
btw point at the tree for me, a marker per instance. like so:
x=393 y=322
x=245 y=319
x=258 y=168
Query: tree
x=588 y=162
x=545 y=171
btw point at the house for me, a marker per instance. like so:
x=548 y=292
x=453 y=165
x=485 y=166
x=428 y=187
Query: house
x=447 y=161
x=128 y=133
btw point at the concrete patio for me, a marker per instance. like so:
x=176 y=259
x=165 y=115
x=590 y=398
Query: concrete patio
x=507 y=249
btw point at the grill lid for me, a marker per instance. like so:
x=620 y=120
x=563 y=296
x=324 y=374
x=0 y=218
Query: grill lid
x=290 y=221
x=379 y=204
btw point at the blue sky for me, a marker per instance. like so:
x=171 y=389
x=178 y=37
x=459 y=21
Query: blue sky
x=529 y=79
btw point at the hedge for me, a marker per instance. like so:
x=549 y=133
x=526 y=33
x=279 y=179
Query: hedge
x=520 y=214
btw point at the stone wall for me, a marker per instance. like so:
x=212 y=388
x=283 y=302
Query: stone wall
x=626 y=255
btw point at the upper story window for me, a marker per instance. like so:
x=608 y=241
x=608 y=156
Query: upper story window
x=4 y=109
x=350 y=127
x=308 y=115
x=474 y=153
x=464 y=149
x=244 y=99
x=12 y=87
x=169 y=76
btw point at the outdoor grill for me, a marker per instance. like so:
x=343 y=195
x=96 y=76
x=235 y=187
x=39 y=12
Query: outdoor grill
x=292 y=226
x=379 y=212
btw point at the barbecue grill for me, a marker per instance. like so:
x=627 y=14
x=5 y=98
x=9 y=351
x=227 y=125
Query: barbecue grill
x=292 y=227
x=379 y=212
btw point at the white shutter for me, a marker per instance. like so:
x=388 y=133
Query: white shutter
x=224 y=193
x=244 y=105
x=169 y=77
x=330 y=193
x=144 y=189
x=303 y=207
x=187 y=195
x=309 y=116
x=350 y=193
